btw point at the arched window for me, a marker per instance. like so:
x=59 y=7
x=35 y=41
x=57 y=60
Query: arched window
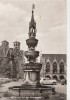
x=55 y=67
x=55 y=77
x=47 y=67
x=61 y=77
x=61 y=67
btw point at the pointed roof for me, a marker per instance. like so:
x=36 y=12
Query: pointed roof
x=32 y=26
x=16 y=42
x=32 y=22
x=32 y=18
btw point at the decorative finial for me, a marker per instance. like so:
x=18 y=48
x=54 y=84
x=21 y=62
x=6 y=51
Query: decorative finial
x=33 y=7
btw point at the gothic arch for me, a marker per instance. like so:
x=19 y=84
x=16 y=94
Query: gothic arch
x=47 y=66
x=61 y=67
x=62 y=77
x=55 y=77
x=55 y=67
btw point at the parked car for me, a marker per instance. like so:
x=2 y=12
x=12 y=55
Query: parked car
x=63 y=81
x=47 y=81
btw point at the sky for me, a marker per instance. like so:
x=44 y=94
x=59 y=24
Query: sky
x=50 y=17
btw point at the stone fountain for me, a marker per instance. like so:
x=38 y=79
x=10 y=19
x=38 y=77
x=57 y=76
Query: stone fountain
x=31 y=87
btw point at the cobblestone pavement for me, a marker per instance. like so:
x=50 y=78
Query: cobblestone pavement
x=61 y=92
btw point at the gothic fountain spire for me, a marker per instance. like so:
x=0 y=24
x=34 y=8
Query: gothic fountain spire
x=32 y=25
x=32 y=18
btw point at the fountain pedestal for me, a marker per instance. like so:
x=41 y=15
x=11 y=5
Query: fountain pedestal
x=32 y=74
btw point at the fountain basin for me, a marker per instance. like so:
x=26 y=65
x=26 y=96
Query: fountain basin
x=31 y=54
x=31 y=42
x=29 y=91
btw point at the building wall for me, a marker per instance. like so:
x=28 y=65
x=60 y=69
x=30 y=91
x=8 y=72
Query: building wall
x=59 y=61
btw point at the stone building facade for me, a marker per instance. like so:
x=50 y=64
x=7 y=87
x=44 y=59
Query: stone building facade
x=11 y=59
x=54 y=66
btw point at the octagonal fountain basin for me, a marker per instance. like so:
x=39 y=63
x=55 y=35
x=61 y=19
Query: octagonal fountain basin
x=31 y=54
x=29 y=91
x=31 y=42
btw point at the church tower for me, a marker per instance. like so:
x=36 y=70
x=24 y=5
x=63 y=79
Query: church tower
x=5 y=47
x=17 y=45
